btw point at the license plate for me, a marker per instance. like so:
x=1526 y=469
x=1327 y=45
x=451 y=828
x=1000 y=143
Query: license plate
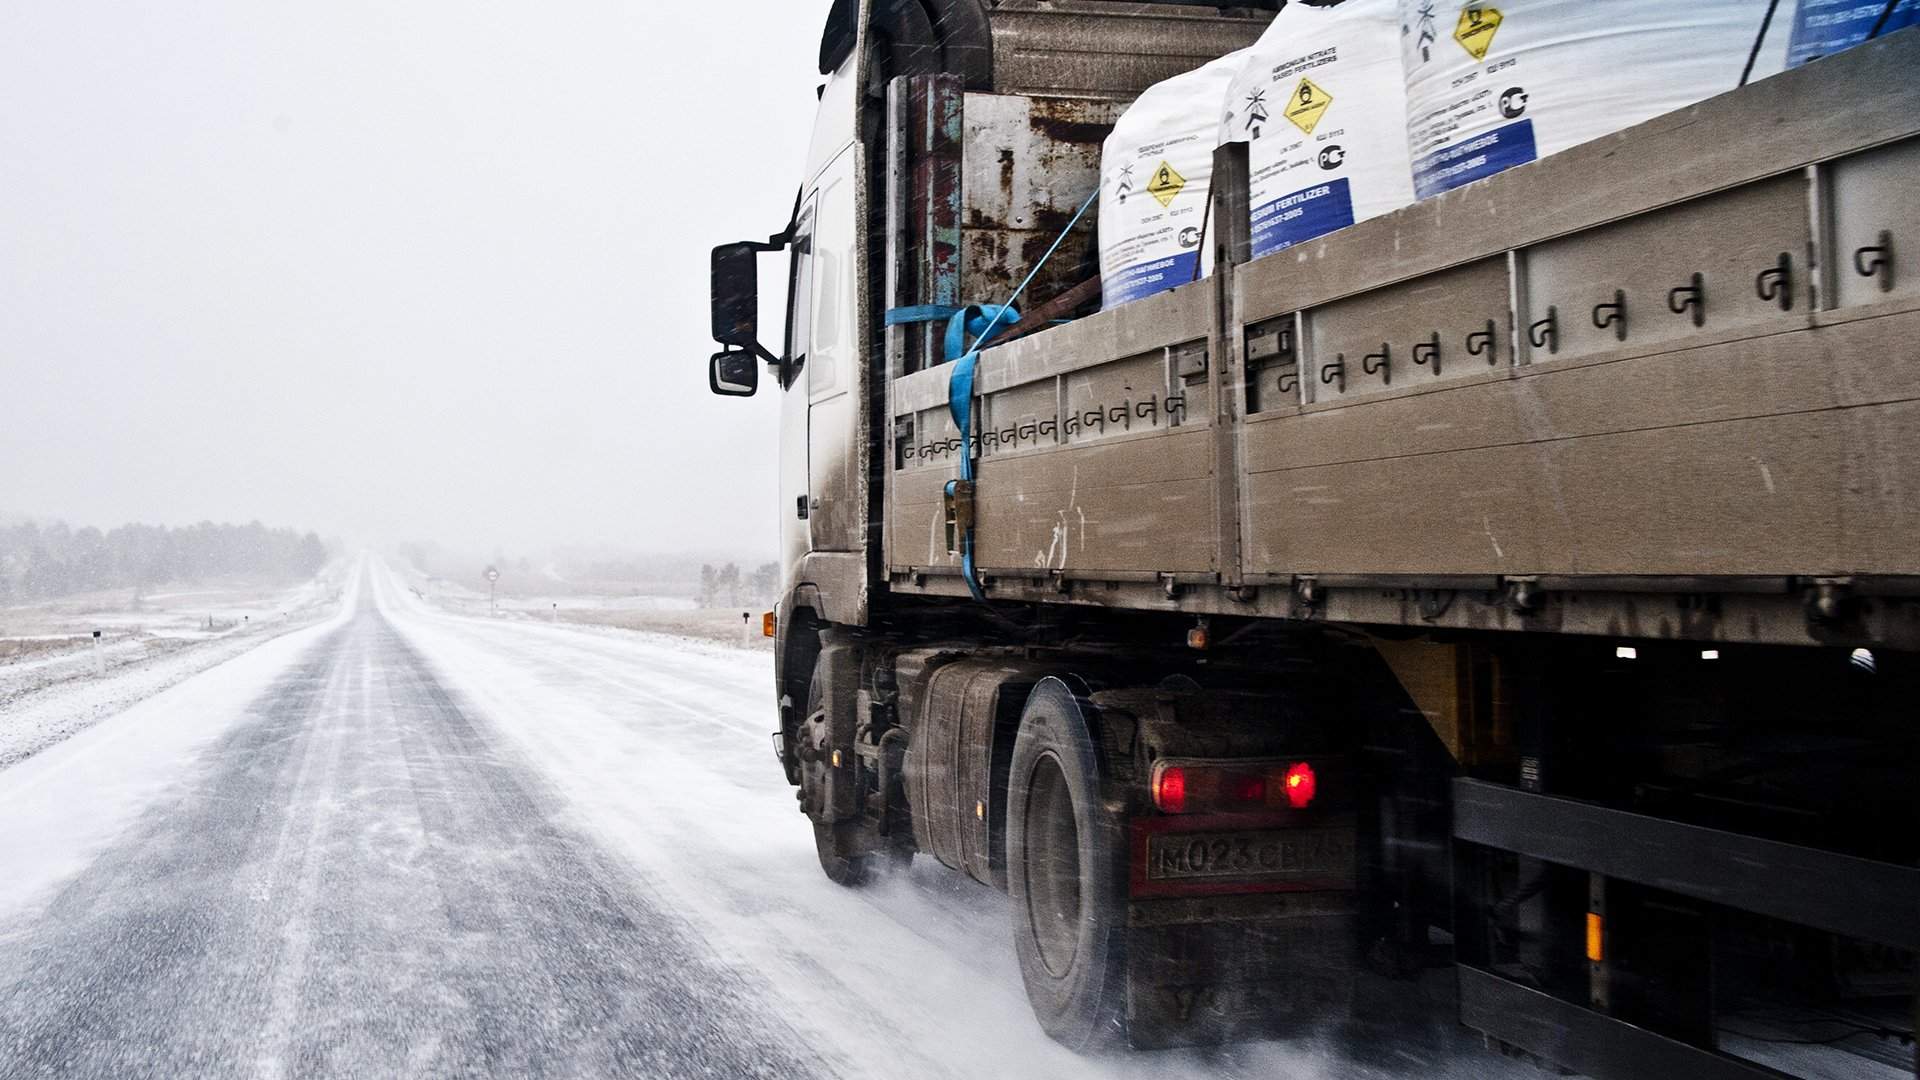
x=1322 y=856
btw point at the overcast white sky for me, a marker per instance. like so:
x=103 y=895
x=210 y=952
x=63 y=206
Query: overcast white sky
x=392 y=270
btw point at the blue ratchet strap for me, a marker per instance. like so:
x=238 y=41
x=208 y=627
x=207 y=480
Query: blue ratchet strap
x=960 y=404
x=960 y=381
x=979 y=320
x=975 y=319
x=917 y=313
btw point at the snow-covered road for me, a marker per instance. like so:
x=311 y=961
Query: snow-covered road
x=405 y=842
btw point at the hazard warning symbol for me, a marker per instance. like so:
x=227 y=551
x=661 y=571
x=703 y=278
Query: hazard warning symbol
x=1165 y=183
x=1475 y=32
x=1307 y=105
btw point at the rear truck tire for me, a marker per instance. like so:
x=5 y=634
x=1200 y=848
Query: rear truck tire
x=1066 y=863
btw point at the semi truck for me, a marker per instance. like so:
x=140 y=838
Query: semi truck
x=1520 y=589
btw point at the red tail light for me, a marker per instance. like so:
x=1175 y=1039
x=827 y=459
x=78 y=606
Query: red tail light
x=1170 y=790
x=1200 y=786
x=1299 y=783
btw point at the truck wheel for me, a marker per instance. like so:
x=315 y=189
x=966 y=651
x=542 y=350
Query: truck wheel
x=1066 y=871
x=831 y=842
x=848 y=870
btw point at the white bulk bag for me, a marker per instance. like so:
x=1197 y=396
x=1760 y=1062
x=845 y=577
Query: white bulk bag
x=1321 y=104
x=1154 y=172
x=1491 y=86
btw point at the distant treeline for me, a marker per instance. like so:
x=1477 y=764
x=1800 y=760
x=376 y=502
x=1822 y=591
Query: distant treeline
x=590 y=571
x=727 y=584
x=42 y=561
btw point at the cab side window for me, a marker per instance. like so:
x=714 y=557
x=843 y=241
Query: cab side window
x=799 y=299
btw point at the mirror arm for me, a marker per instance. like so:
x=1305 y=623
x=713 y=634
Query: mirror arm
x=777 y=242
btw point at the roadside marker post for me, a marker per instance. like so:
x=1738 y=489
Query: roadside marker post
x=746 y=630
x=493 y=606
x=99 y=657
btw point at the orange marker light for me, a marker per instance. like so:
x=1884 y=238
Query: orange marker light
x=768 y=624
x=1596 y=941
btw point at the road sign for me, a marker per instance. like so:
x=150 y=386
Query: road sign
x=492 y=574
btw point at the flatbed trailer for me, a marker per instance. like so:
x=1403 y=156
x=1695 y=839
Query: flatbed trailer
x=1559 y=532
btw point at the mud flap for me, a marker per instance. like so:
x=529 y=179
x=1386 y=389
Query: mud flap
x=1225 y=969
x=1240 y=927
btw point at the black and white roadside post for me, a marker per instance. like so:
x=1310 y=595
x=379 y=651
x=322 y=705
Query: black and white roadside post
x=493 y=608
x=746 y=629
x=555 y=618
x=99 y=657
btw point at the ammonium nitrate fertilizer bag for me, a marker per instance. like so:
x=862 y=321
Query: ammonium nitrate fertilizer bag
x=1491 y=86
x=1321 y=104
x=1824 y=27
x=1154 y=173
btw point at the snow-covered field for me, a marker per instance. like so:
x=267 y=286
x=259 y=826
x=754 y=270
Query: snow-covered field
x=184 y=611
x=50 y=686
x=598 y=604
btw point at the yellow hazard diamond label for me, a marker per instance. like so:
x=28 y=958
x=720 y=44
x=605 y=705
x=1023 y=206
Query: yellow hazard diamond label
x=1307 y=105
x=1475 y=32
x=1165 y=183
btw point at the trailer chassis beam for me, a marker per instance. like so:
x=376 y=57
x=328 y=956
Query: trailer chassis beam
x=1853 y=897
x=1586 y=1041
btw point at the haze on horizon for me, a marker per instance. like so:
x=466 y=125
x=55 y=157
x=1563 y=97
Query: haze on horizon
x=424 y=272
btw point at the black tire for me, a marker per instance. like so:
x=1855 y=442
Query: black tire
x=849 y=870
x=832 y=842
x=1066 y=871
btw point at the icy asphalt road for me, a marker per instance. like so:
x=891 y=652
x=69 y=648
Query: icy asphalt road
x=407 y=843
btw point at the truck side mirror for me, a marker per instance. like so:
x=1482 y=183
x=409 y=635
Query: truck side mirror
x=736 y=295
x=733 y=373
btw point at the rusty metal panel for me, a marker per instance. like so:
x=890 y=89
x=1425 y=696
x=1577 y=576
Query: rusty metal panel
x=1029 y=163
x=1103 y=49
x=935 y=129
